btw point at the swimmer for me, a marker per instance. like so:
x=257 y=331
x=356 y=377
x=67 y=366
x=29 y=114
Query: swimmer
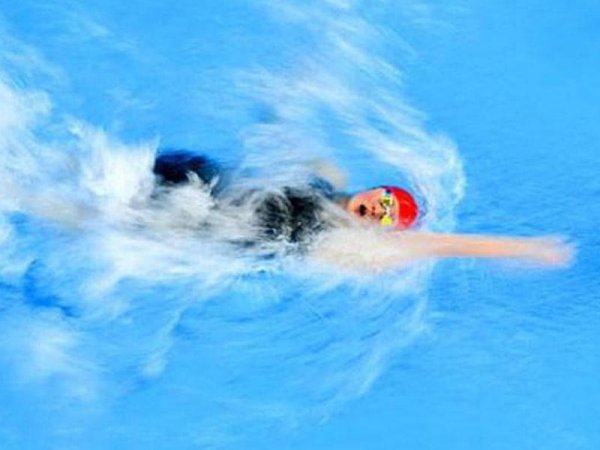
x=376 y=229
x=395 y=210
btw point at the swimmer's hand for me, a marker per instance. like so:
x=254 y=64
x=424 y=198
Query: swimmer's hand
x=550 y=252
x=330 y=173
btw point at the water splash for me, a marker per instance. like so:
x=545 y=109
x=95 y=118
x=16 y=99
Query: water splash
x=121 y=291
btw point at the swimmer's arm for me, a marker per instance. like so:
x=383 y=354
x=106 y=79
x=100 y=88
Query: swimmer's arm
x=549 y=251
x=376 y=251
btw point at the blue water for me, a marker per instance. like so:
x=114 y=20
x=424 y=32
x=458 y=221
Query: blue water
x=114 y=337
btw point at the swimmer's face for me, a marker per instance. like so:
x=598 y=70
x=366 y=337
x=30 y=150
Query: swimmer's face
x=374 y=205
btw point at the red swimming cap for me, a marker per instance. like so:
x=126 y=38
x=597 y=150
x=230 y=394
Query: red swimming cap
x=408 y=209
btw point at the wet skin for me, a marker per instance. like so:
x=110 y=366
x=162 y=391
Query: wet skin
x=366 y=205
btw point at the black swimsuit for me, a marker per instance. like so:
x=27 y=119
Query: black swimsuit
x=293 y=216
x=173 y=167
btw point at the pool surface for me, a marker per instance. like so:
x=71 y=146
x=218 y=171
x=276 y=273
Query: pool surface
x=123 y=336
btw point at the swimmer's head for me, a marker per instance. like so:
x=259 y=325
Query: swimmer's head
x=387 y=205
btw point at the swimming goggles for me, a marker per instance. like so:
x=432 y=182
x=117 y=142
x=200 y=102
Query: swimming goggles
x=387 y=202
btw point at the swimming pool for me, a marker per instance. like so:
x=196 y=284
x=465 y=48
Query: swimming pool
x=116 y=338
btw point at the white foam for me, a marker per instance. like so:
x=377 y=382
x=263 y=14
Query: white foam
x=126 y=265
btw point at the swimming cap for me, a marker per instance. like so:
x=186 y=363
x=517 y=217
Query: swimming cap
x=408 y=211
